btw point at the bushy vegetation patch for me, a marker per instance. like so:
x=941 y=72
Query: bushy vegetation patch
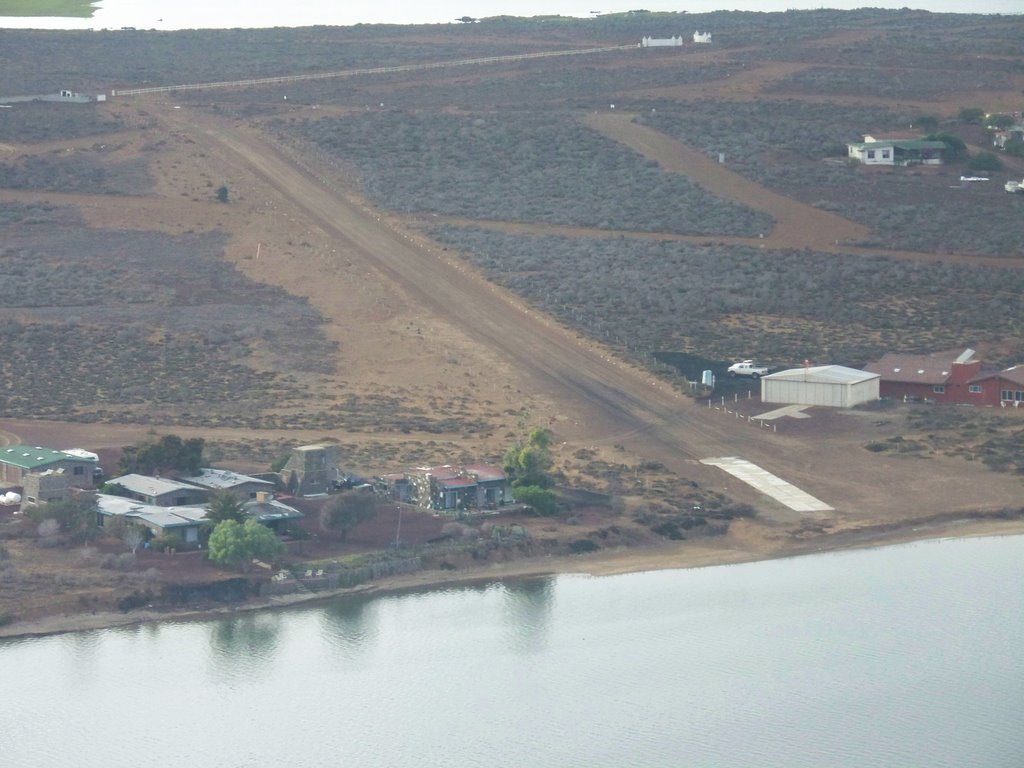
x=973 y=434
x=36 y=121
x=520 y=167
x=892 y=83
x=84 y=171
x=93 y=320
x=779 y=306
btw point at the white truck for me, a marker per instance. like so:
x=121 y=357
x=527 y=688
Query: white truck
x=747 y=368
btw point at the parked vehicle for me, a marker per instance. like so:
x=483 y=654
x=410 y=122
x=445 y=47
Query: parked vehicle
x=747 y=368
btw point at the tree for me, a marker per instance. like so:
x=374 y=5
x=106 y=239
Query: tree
x=77 y=516
x=224 y=505
x=972 y=114
x=985 y=161
x=999 y=121
x=233 y=543
x=528 y=467
x=926 y=123
x=529 y=464
x=345 y=511
x=955 y=147
x=168 y=454
x=133 y=536
x=222 y=193
x=541 y=500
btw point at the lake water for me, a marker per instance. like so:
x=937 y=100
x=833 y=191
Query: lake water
x=186 y=14
x=903 y=656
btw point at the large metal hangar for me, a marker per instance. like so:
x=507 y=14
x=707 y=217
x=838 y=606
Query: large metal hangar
x=834 y=386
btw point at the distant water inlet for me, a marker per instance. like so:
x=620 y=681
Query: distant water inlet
x=228 y=14
x=904 y=656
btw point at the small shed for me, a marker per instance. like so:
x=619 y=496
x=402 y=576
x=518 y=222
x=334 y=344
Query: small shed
x=833 y=386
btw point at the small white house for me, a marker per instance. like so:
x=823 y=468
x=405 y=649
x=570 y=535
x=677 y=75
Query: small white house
x=702 y=38
x=833 y=386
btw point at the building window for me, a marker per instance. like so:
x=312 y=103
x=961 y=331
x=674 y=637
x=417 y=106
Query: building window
x=79 y=471
x=181 y=501
x=885 y=154
x=871 y=154
x=938 y=389
x=974 y=388
x=1011 y=394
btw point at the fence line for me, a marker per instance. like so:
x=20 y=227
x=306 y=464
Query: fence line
x=368 y=71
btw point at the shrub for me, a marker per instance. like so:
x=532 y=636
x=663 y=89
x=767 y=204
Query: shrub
x=166 y=542
x=583 y=546
x=985 y=161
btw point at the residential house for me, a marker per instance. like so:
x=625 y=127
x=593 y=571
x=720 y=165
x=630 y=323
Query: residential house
x=270 y=512
x=17 y=461
x=395 y=485
x=312 y=470
x=492 y=485
x=1013 y=133
x=46 y=487
x=999 y=388
x=941 y=377
x=161 y=492
x=187 y=520
x=242 y=486
x=876 y=150
x=184 y=521
x=448 y=487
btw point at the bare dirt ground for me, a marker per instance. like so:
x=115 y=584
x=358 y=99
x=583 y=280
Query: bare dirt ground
x=412 y=318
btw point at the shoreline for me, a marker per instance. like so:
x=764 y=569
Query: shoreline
x=701 y=554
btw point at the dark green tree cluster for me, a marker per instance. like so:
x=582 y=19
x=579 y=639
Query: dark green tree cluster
x=345 y=511
x=224 y=505
x=527 y=464
x=238 y=544
x=168 y=454
x=955 y=148
x=76 y=517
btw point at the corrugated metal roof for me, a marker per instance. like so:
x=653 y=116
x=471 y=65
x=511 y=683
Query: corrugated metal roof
x=271 y=509
x=222 y=479
x=151 y=486
x=485 y=473
x=161 y=517
x=823 y=374
x=32 y=457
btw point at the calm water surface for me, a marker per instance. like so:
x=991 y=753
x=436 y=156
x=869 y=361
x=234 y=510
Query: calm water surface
x=902 y=656
x=186 y=14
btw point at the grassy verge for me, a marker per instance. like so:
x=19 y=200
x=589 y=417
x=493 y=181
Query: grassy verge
x=80 y=8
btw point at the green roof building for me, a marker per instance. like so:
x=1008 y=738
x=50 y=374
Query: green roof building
x=16 y=461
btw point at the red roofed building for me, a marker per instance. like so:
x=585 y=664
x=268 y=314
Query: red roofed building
x=1005 y=388
x=447 y=487
x=942 y=377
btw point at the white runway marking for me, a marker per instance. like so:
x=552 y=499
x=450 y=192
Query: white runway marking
x=794 y=411
x=769 y=484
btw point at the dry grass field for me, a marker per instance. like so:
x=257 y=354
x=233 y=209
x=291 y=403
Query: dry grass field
x=417 y=264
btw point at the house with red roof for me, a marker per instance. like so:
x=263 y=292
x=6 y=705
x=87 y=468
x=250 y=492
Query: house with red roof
x=1002 y=388
x=449 y=487
x=940 y=377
